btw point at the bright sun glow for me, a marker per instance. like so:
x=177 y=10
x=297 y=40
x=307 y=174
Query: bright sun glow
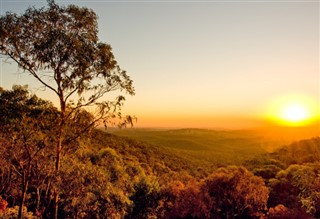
x=293 y=110
x=295 y=113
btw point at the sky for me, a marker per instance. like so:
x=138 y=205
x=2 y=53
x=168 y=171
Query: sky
x=203 y=63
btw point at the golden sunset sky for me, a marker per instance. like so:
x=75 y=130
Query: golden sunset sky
x=204 y=63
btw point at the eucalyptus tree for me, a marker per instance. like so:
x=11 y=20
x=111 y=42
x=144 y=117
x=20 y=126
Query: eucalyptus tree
x=26 y=122
x=59 y=46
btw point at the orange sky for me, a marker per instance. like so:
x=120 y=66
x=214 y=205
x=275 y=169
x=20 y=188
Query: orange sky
x=203 y=64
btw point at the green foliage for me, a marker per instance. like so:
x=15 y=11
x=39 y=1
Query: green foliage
x=26 y=127
x=18 y=102
x=205 y=148
x=56 y=39
x=59 y=47
x=153 y=159
x=236 y=193
x=173 y=174
x=12 y=213
x=106 y=176
x=298 y=186
x=145 y=199
x=86 y=191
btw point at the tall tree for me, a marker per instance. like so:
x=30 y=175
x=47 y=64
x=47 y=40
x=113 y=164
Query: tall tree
x=25 y=127
x=59 y=46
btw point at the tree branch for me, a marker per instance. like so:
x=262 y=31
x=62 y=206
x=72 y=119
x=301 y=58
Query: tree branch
x=32 y=72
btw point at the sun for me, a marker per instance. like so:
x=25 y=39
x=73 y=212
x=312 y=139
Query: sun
x=293 y=110
x=295 y=113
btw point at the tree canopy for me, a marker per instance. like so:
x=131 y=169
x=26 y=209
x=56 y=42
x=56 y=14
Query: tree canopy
x=59 y=46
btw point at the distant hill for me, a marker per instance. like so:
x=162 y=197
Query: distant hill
x=214 y=148
x=299 y=152
x=153 y=159
x=303 y=151
x=209 y=147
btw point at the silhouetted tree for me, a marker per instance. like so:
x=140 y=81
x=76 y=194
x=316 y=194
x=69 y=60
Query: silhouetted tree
x=59 y=47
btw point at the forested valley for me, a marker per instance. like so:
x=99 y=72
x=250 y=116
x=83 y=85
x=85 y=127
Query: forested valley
x=57 y=160
x=107 y=176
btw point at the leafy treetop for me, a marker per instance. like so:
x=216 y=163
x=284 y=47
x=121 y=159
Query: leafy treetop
x=59 y=46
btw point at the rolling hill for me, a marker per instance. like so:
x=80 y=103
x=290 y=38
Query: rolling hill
x=216 y=147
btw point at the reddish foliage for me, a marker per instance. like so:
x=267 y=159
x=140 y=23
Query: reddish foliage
x=184 y=201
x=282 y=212
x=3 y=204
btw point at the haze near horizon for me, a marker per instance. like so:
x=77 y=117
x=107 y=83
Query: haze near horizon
x=215 y=64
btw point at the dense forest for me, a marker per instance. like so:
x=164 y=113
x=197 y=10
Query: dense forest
x=107 y=176
x=56 y=161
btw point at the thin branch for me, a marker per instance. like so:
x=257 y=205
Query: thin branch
x=68 y=140
x=32 y=72
x=17 y=171
x=70 y=94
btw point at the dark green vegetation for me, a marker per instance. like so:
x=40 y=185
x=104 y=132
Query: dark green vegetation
x=107 y=176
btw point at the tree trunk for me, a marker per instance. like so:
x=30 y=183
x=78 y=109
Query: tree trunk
x=56 y=204
x=23 y=195
x=25 y=184
x=58 y=155
x=59 y=149
x=38 y=199
x=57 y=167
